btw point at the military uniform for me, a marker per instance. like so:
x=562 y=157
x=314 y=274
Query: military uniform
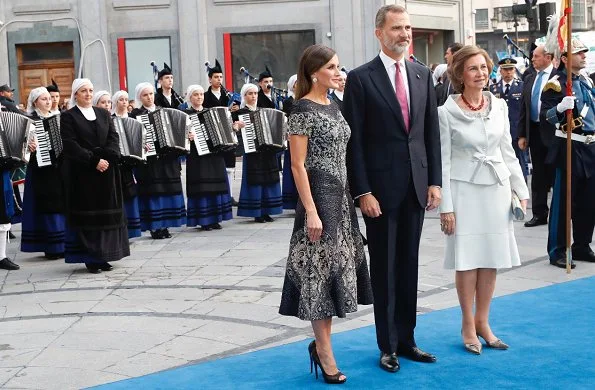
x=512 y=93
x=583 y=165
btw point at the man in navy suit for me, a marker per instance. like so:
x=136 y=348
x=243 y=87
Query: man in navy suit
x=510 y=89
x=395 y=173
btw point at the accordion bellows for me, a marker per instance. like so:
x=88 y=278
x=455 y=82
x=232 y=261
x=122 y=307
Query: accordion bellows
x=15 y=130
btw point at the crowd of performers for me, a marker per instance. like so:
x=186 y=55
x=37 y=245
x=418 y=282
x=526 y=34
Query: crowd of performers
x=87 y=205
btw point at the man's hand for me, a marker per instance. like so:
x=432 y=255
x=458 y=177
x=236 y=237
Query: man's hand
x=522 y=143
x=434 y=197
x=369 y=206
x=102 y=165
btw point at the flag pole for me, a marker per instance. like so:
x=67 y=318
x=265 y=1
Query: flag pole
x=569 y=123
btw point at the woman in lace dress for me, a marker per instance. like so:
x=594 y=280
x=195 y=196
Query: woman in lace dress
x=326 y=273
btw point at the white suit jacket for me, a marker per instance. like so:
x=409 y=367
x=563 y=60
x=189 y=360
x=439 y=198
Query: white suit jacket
x=477 y=150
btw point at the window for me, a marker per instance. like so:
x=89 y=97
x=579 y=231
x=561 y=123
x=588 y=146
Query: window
x=139 y=54
x=280 y=51
x=578 y=15
x=503 y=14
x=481 y=19
x=46 y=52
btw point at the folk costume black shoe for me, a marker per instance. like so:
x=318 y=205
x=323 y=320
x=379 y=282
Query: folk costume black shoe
x=93 y=268
x=216 y=226
x=106 y=266
x=8 y=265
x=268 y=218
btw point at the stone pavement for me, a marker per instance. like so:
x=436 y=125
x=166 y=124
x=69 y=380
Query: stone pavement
x=195 y=297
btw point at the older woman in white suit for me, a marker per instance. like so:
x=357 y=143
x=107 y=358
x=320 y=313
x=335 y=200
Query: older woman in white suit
x=479 y=173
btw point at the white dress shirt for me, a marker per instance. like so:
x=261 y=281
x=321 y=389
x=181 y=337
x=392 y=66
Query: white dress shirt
x=546 y=76
x=391 y=69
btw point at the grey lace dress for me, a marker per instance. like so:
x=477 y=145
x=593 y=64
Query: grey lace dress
x=329 y=277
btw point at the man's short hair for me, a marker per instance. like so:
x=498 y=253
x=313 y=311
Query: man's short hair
x=385 y=9
x=454 y=47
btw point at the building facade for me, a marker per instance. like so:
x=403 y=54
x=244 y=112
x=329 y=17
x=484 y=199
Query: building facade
x=113 y=42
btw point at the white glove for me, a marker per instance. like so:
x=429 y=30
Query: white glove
x=567 y=103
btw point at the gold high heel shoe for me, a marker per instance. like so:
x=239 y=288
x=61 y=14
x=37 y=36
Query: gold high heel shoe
x=474 y=348
x=498 y=344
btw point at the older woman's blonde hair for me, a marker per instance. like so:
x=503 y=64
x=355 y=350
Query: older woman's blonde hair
x=457 y=67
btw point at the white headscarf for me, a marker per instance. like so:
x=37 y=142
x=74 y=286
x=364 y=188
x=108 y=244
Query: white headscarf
x=438 y=73
x=191 y=89
x=98 y=96
x=33 y=96
x=117 y=97
x=245 y=89
x=139 y=90
x=76 y=85
x=290 y=84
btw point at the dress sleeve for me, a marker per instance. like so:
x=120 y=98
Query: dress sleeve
x=446 y=205
x=301 y=123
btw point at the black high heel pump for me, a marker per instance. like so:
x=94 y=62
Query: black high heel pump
x=315 y=362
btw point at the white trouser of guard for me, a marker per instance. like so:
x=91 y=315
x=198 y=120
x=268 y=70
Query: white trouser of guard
x=4 y=228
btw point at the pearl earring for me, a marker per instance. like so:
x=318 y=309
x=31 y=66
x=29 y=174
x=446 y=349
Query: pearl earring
x=314 y=80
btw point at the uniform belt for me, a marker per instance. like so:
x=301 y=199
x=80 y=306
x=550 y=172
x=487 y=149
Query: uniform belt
x=586 y=139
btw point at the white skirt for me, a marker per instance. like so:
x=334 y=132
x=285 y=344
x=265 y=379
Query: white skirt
x=484 y=232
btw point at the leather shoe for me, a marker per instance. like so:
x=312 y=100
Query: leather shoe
x=561 y=263
x=206 y=228
x=583 y=255
x=416 y=354
x=259 y=219
x=166 y=233
x=389 y=362
x=93 y=268
x=6 y=264
x=536 y=221
x=106 y=266
x=267 y=218
x=216 y=226
x=54 y=256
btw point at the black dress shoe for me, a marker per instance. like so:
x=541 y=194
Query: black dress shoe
x=6 y=264
x=583 y=254
x=106 y=266
x=93 y=268
x=416 y=354
x=561 y=263
x=216 y=226
x=268 y=218
x=259 y=219
x=389 y=362
x=536 y=221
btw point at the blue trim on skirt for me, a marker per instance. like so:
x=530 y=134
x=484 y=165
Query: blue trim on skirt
x=42 y=232
x=208 y=210
x=160 y=212
x=259 y=200
x=75 y=252
x=132 y=214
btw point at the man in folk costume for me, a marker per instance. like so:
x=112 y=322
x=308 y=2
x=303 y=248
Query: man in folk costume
x=217 y=96
x=55 y=95
x=265 y=82
x=510 y=89
x=555 y=104
x=166 y=96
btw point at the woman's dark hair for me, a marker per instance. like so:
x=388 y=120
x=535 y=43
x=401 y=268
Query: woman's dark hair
x=312 y=59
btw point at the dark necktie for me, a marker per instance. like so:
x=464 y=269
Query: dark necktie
x=506 y=89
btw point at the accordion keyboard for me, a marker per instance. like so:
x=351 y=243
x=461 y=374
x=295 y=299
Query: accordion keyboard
x=43 y=145
x=248 y=134
x=150 y=140
x=200 y=138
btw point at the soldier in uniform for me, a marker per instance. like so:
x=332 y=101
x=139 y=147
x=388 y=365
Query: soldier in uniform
x=554 y=103
x=510 y=89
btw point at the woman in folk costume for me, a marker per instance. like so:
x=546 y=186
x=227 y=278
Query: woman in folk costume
x=129 y=186
x=161 y=200
x=96 y=227
x=43 y=203
x=290 y=195
x=103 y=99
x=206 y=179
x=260 y=194
x=217 y=96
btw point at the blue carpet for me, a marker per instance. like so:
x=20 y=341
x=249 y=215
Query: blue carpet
x=551 y=332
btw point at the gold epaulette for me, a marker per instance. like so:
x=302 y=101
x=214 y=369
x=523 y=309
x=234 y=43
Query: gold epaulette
x=553 y=84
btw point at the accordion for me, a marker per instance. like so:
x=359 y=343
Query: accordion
x=14 y=139
x=132 y=139
x=167 y=132
x=213 y=131
x=49 y=140
x=265 y=130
